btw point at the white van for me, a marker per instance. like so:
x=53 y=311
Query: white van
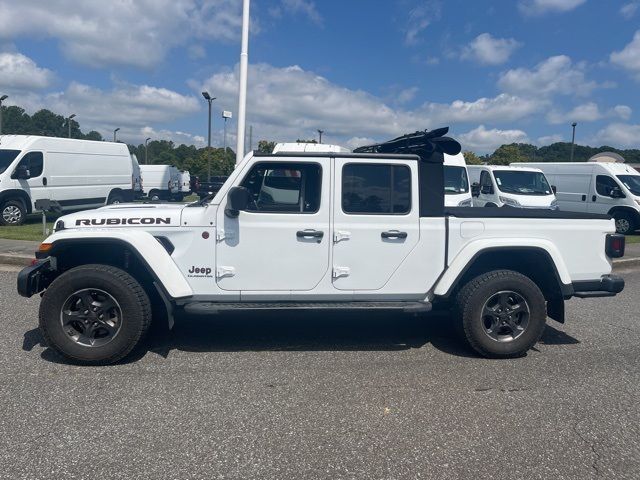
x=136 y=178
x=184 y=185
x=161 y=182
x=456 y=182
x=609 y=188
x=520 y=187
x=77 y=174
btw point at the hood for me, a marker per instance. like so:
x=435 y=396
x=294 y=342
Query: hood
x=126 y=215
x=532 y=201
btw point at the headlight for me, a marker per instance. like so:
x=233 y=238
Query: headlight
x=466 y=203
x=554 y=205
x=510 y=201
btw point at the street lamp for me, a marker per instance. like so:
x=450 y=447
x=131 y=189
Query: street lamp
x=573 y=140
x=209 y=100
x=226 y=115
x=3 y=97
x=69 y=122
x=115 y=134
x=320 y=132
x=242 y=87
x=146 y=151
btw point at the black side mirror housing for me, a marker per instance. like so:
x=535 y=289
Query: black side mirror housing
x=617 y=193
x=22 y=173
x=475 y=190
x=554 y=189
x=238 y=199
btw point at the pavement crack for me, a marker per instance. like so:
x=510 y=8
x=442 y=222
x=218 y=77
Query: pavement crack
x=592 y=446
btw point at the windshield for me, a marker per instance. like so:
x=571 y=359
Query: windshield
x=522 y=183
x=632 y=182
x=455 y=180
x=6 y=157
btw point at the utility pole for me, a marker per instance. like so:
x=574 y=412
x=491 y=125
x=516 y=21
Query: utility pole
x=210 y=100
x=250 y=138
x=320 y=132
x=146 y=151
x=115 y=134
x=69 y=122
x=226 y=115
x=242 y=88
x=573 y=140
x=2 y=98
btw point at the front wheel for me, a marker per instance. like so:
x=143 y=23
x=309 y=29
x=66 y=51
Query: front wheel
x=94 y=314
x=12 y=212
x=625 y=223
x=502 y=314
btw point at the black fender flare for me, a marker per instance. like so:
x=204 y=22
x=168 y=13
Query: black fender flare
x=16 y=194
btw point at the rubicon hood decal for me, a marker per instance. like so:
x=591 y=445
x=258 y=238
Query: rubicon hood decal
x=123 y=221
x=131 y=217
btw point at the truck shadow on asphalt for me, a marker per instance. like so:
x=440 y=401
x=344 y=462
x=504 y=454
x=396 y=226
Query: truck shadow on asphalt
x=304 y=331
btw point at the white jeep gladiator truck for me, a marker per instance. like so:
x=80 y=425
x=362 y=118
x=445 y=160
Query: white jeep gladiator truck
x=322 y=230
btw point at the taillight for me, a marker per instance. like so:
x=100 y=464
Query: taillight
x=615 y=245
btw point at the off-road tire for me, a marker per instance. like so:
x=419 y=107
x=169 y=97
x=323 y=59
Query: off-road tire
x=16 y=206
x=472 y=298
x=131 y=297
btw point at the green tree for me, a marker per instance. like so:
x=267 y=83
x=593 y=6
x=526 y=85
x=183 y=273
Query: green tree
x=507 y=154
x=265 y=146
x=472 y=159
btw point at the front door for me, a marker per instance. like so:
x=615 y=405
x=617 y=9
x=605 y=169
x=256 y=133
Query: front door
x=376 y=221
x=281 y=242
x=36 y=185
x=601 y=200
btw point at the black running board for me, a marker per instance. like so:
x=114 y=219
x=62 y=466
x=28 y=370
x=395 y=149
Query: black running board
x=209 y=308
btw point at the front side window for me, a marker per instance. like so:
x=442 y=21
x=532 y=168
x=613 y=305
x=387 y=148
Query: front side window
x=6 y=158
x=522 y=183
x=376 y=189
x=284 y=187
x=455 y=180
x=605 y=185
x=485 y=179
x=632 y=182
x=34 y=162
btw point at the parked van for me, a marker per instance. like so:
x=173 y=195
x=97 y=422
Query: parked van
x=457 y=192
x=161 y=182
x=609 y=188
x=77 y=174
x=136 y=178
x=184 y=185
x=520 y=187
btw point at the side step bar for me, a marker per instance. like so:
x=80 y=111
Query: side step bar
x=210 y=308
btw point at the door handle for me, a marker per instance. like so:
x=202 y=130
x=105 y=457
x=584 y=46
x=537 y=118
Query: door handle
x=309 y=234
x=44 y=181
x=593 y=199
x=584 y=198
x=394 y=234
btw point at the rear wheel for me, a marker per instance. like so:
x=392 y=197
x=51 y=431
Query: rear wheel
x=502 y=314
x=12 y=212
x=154 y=195
x=625 y=223
x=94 y=314
x=115 y=198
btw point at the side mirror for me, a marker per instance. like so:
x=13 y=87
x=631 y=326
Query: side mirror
x=238 y=199
x=486 y=190
x=617 y=193
x=475 y=190
x=22 y=173
x=554 y=189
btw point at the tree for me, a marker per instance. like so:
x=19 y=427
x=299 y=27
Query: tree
x=472 y=159
x=507 y=154
x=265 y=146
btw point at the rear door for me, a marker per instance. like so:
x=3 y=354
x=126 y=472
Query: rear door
x=376 y=221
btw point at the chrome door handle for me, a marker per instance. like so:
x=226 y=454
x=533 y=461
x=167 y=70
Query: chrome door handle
x=394 y=234
x=309 y=234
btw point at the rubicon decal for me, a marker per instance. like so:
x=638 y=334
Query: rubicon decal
x=124 y=221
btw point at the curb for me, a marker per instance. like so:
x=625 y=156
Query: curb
x=626 y=263
x=15 y=259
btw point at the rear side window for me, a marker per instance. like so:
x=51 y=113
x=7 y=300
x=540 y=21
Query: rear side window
x=284 y=187
x=604 y=185
x=376 y=189
x=34 y=162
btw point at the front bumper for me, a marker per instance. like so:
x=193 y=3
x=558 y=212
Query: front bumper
x=606 y=286
x=35 y=278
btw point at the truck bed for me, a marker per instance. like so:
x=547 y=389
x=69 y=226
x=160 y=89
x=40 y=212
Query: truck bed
x=508 y=212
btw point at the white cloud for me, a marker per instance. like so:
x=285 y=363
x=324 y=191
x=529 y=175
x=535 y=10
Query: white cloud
x=504 y=107
x=406 y=95
x=488 y=50
x=539 y=7
x=304 y=7
x=483 y=140
x=550 y=139
x=356 y=142
x=555 y=75
x=18 y=72
x=588 y=112
x=628 y=10
x=622 y=111
x=618 y=135
x=120 y=33
x=629 y=56
x=420 y=17
x=176 y=137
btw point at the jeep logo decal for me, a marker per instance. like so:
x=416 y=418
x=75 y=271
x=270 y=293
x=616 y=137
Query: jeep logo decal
x=124 y=221
x=199 y=271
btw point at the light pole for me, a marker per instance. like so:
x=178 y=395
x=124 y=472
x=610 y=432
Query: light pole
x=210 y=100
x=69 y=122
x=226 y=115
x=115 y=134
x=320 y=132
x=3 y=97
x=573 y=140
x=242 y=88
x=146 y=151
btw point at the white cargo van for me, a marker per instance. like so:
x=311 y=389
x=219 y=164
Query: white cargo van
x=78 y=174
x=136 y=178
x=184 y=185
x=161 y=182
x=609 y=188
x=520 y=187
x=456 y=182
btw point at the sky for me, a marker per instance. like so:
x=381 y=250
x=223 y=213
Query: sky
x=496 y=72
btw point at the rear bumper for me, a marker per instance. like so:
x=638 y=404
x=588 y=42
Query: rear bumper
x=606 y=286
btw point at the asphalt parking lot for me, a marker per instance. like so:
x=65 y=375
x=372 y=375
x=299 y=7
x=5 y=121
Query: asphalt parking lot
x=301 y=396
